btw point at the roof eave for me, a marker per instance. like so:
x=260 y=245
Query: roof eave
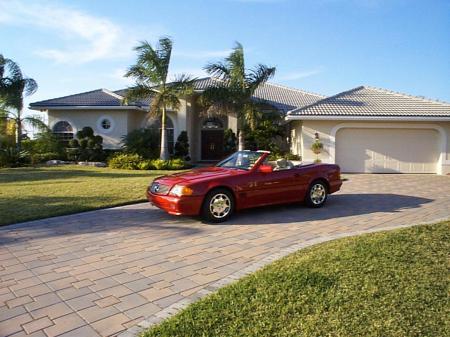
x=87 y=107
x=368 y=118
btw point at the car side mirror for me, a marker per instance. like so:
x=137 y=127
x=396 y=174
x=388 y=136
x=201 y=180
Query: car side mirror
x=265 y=169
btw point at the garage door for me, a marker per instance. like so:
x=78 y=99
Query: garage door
x=387 y=150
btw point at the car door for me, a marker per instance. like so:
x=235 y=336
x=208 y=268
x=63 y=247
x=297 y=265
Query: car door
x=272 y=188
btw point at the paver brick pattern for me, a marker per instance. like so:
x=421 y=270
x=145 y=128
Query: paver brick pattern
x=101 y=272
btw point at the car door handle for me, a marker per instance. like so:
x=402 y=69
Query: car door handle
x=297 y=175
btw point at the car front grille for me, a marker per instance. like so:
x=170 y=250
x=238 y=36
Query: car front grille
x=158 y=188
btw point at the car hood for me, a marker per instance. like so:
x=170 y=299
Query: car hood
x=198 y=175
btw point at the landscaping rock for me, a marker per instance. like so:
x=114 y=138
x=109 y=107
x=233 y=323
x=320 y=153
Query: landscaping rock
x=92 y=163
x=55 y=162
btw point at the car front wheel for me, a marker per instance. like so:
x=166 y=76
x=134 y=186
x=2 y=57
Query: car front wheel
x=316 y=194
x=218 y=206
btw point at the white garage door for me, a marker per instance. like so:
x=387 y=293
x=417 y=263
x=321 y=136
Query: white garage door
x=387 y=150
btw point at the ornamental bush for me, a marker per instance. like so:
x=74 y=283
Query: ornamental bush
x=133 y=161
x=126 y=161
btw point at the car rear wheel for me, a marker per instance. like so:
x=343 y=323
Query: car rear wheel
x=316 y=195
x=218 y=206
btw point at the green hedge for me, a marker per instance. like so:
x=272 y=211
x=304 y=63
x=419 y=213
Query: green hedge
x=128 y=161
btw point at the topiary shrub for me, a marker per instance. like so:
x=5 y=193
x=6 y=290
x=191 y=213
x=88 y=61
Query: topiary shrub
x=126 y=161
x=87 y=147
x=181 y=149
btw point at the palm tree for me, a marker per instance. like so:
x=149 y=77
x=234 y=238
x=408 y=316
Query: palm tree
x=234 y=90
x=151 y=74
x=14 y=86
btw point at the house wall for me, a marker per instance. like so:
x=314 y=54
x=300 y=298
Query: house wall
x=81 y=118
x=303 y=135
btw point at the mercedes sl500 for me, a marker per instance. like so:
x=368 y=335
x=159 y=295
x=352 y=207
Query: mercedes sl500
x=243 y=180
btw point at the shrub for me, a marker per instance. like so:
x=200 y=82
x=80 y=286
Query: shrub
x=144 y=142
x=265 y=136
x=10 y=157
x=229 y=142
x=181 y=149
x=125 y=161
x=87 y=147
x=45 y=147
x=133 y=161
x=146 y=164
x=161 y=164
x=43 y=157
x=177 y=164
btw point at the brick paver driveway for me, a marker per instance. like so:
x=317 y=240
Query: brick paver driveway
x=101 y=272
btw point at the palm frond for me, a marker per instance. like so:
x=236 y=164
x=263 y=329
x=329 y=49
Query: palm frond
x=182 y=85
x=236 y=65
x=30 y=86
x=260 y=75
x=139 y=91
x=36 y=122
x=219 y=70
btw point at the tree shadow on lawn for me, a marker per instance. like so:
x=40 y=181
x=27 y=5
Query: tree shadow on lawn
x=143 y=216
x=36 y=174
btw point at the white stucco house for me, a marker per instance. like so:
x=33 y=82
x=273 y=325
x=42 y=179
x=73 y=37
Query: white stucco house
x=363 y=129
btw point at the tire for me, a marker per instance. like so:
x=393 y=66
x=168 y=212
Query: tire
x=218 y=206
x=317 y=194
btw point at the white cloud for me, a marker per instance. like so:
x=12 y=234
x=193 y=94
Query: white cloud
x=296 y=75
x=83 y=37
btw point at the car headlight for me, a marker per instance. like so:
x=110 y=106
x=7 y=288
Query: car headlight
x=180 y=190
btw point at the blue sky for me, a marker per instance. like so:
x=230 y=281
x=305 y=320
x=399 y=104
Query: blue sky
x=323 y=46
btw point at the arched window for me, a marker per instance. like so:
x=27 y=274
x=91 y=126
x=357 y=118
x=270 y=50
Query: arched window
x=212 y=123
x=156 y=124
x=63 y=131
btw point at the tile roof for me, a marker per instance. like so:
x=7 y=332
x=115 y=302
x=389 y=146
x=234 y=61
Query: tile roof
x=99 y=97
x=283 y=98
x=368 y=101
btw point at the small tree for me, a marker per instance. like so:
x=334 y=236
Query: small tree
x=182 y=146
x=144 y=142
x=229 y=142
x=86 y=146
x=317 y=148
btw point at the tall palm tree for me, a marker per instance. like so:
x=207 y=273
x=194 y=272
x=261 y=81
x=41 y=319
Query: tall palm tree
x=14 y=87
x=233 y=93
x=151 y=74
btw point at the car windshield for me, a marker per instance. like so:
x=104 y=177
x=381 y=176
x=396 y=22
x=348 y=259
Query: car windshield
x=243 y=160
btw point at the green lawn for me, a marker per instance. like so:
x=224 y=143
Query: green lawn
x=34 y=193
x=385 y=284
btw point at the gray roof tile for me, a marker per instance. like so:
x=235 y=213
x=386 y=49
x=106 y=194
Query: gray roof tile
x=99 y=97
x=367 y=101
x=283 y=98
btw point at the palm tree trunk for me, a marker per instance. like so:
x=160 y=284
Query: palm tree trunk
x=18 y=134
x=164 y=154
x=241 y=145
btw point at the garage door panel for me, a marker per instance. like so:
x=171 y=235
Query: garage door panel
x=387 y=150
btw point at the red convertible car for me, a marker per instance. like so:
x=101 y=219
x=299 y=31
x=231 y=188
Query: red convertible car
x=243 y=180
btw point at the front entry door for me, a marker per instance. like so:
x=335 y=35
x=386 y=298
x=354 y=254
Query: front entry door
x=212 y=144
